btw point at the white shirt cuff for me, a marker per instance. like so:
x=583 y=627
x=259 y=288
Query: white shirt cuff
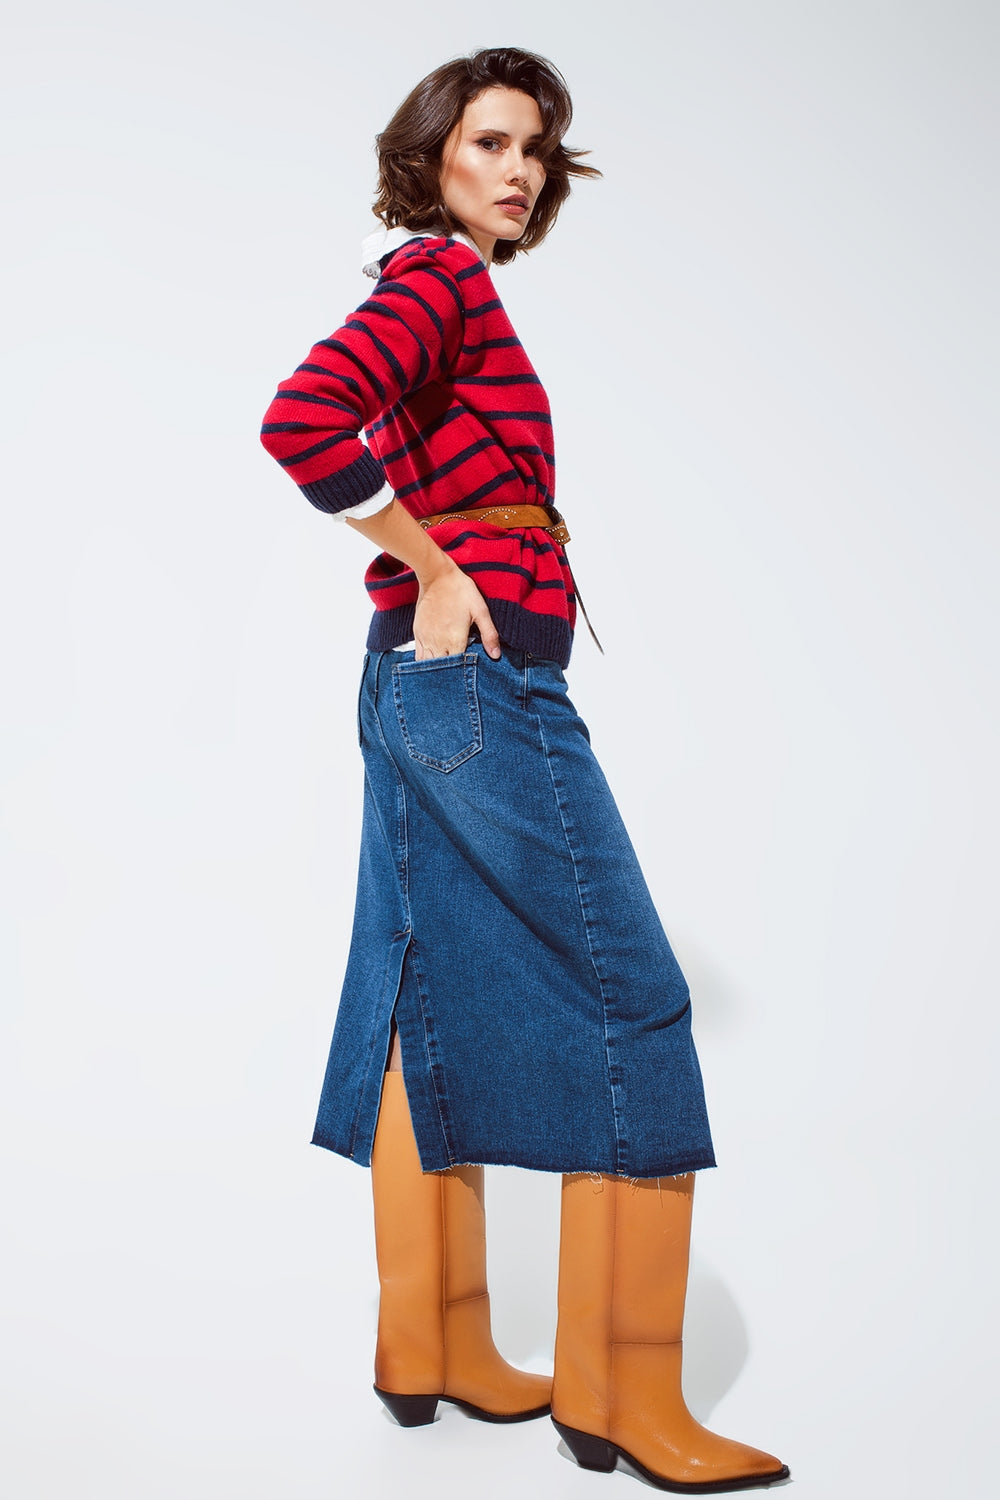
x=369 y=507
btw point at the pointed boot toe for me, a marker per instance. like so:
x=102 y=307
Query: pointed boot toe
x=623 y=1266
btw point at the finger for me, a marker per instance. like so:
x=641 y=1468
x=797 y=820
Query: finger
x=427 y=650
x=487 y=631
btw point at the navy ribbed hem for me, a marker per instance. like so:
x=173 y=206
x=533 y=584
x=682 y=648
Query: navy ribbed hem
x=547 y=636
x=359 y=481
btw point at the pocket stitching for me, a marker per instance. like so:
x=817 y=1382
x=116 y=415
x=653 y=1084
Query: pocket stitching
x=467 y=661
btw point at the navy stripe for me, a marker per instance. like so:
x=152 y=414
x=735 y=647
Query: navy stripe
x=514 y=416
x=485 y=489
x=498 y=380
x=322 y=447
x=445 y=279
x=290 y=394
x=409 y=291
x=446 y=468
x=345 y=349
x=466 y=501
x=512 y=343
x=450 y=243
x=483 y=308
x=428 y=431
x=352 y=385
x=396 y=315
x=386 y=351
x=525 y=541
x=375 y=585
x=534 y=450
x=403 y=289
x=544 y=494
x=499 y=567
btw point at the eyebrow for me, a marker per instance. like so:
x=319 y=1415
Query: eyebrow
x=492 y=130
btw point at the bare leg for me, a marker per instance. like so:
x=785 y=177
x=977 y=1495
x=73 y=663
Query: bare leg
x=434 y=1335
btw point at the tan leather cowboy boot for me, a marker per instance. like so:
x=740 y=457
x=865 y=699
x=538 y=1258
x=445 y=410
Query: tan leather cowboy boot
x=623 y=1267
x=434 y=1337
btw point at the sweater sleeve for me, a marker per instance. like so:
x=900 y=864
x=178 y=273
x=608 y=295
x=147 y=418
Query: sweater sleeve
x=407 y=333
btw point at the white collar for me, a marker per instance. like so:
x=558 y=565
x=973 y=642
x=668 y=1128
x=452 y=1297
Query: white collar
x=381 y=240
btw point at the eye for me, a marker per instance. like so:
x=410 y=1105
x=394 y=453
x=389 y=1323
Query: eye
x=489 y=140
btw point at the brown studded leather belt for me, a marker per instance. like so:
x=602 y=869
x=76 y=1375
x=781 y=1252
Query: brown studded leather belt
x=545 y=517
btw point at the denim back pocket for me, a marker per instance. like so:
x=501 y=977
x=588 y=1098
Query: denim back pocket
x=437 y=705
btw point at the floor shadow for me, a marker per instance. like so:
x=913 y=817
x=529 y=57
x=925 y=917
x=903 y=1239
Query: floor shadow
x=716 y=1345
x=522 y=1215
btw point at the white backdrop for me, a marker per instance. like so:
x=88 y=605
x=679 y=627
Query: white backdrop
x=769 y=337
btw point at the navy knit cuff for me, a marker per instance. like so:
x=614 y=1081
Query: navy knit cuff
x=359 y=481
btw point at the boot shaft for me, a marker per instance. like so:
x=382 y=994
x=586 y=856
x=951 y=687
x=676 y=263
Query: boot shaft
x=624 y=1248
x=409 y=1250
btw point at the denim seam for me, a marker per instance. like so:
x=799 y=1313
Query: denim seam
x=361 y=689
x=590 y=947
x=403 y=865
x=433 y=1070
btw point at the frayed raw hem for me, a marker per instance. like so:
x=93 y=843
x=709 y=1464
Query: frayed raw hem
x=599 y=1173
x=599 y=1178
x=596 y=1176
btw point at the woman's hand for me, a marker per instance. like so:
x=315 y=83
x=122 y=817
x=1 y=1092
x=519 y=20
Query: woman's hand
x=447 y=606
x=448 y=603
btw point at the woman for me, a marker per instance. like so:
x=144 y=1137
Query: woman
x=510 y=995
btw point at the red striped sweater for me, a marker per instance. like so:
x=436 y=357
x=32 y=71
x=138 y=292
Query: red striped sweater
x=455 y=418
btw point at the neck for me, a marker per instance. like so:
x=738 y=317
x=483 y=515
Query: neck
x=485 y=243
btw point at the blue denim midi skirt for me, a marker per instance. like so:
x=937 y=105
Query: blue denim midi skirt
x=503 y=919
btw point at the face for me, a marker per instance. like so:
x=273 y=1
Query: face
x=492 y=155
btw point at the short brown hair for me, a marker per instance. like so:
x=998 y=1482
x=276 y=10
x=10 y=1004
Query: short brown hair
x=410 y=148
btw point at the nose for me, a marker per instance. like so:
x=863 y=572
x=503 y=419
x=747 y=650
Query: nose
x=518 y=171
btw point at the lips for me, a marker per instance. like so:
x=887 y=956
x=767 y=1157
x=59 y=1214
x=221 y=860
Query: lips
x=518 y=199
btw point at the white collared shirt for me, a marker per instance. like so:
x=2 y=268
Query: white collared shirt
x=375 y=246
